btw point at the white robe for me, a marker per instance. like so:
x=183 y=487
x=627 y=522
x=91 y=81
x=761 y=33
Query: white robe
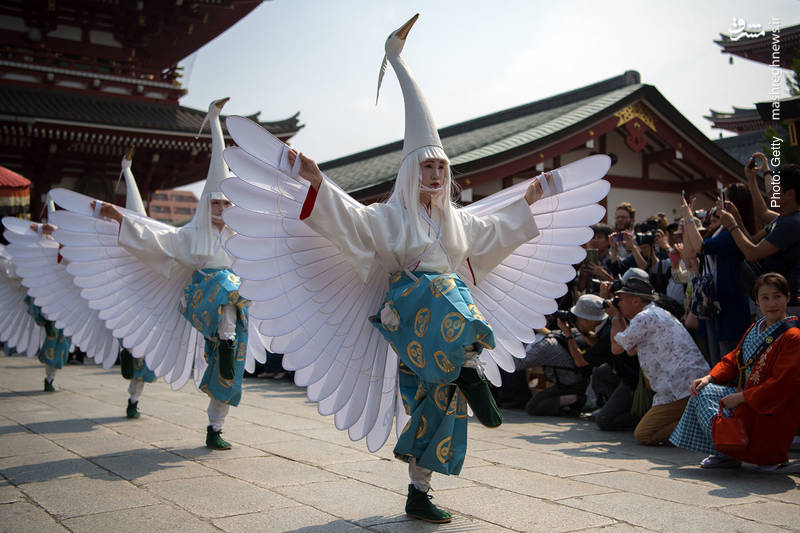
x=160 y=249
x=380 y=233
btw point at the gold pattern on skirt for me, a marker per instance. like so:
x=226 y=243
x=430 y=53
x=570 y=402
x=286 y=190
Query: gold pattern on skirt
x=442 y=285
x=452 y=326
x=422 y=321
x=440 y=396
x=415 y=354
x=475 y=312
x=443 y=450
x=411 y=288
x=443 y=362
x=422 y=427
x=197 y=297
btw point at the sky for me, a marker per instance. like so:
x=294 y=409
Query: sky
x=471 y=58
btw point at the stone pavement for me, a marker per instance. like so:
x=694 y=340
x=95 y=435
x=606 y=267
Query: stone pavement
x=70 y=461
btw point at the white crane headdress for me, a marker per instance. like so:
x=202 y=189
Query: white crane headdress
x=206 y=239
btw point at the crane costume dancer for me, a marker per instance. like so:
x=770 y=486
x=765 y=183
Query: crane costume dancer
x=465 y=286
x=35 y=258
x=168 y=292
x=18 y=329
x=133 y=369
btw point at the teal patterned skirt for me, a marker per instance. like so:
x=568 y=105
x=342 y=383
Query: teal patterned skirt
x=209 y=290
x=437 y=319
x=55 y=349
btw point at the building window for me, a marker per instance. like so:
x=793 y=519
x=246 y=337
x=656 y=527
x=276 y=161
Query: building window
x=160 y=196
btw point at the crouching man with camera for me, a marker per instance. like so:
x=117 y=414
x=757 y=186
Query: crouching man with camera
x=667 y=354
x=560 y=353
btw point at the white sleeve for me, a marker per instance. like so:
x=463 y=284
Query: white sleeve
x=354 y=230
x=157 y=249
x=492 y=238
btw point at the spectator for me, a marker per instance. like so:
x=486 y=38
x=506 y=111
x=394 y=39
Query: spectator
x=644 y=256
x=599 y=269
x=560 y=354
x=762 y=214
x=666 y=352
x=624 y=219
x=614 y=378
x=767 y=363
x=779 y=251
x=728 y=327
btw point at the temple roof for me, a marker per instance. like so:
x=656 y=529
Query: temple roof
x=738 y=121
x=489 y=140
x=760 y=48
x=31 y=104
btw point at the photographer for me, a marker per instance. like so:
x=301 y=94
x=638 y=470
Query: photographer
x=647 y=244
x=598 y=260
x=614 y=377
x=667 y=354
x=560 y=353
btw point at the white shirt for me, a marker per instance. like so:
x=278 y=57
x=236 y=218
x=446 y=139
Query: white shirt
x=668 y=356
x=160 y=249
x=381 y=233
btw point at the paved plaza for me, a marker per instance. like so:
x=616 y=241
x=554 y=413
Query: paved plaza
x=70 y=461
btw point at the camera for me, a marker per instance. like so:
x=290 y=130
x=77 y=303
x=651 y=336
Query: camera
x=645 y=232
x=614 y=302
x=566 y=316
x=645 y=238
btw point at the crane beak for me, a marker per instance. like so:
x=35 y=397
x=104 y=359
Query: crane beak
x=222 y=101
x=402 y=33
x=129 y=155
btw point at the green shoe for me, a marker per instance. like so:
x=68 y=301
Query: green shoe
x=479 y=397
x=418 y=505
x=126 y=364
x=227 y=357
x=215 y=441
x=133 y=409
x=48 y=386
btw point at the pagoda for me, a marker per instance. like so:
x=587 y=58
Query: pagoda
x=81 y=81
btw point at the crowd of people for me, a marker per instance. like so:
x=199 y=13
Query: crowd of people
x=665 y=319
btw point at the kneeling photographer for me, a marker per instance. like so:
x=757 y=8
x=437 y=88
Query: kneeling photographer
x=561 y=354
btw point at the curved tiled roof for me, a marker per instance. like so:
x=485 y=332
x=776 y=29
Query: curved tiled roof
x=35 y=103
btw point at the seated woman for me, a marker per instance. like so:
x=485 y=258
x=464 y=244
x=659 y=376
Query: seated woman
x=767 y=364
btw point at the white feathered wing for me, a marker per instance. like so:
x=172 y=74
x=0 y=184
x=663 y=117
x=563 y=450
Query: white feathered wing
x=17 y=327
x=138 y=305
x=315 y=309
x=52 y=289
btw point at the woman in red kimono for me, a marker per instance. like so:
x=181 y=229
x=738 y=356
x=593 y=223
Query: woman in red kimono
x=767 y=363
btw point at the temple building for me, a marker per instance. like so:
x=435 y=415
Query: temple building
x=83 y=81
x=749 y=124
x=657 y=152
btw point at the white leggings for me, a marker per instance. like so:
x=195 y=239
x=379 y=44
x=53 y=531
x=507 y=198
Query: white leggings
x=420 y=476
x=50 y=373
x=135 y=390
x=227 y=323
x=217 y=411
